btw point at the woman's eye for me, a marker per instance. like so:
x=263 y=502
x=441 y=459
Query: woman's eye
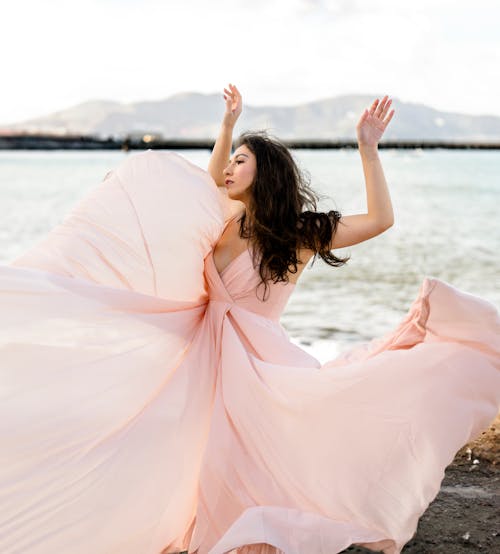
x=239 y=162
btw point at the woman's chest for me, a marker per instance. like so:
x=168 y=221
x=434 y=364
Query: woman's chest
x=229 y=247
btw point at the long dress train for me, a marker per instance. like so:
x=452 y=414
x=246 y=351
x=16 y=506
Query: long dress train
x=150 y=404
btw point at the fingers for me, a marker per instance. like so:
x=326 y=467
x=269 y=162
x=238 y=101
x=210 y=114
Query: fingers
x=379 y=109
x=233 y=90
x=363 y=117
x=386 y=122
x=236 y=90
x=374 y=106
x=233 y=93
x=386 y=109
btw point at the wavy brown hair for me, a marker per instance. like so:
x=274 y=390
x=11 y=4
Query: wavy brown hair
x=283 y=212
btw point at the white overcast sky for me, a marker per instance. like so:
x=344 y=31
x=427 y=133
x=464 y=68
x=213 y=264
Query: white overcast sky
x=58 y=53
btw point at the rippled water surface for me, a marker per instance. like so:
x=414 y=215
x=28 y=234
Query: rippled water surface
x=447 y=226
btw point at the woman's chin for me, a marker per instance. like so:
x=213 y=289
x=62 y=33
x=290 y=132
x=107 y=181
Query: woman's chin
x=238 y=196
x=233 y=194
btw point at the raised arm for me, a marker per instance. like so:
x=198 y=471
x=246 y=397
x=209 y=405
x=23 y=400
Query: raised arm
x=353 y=229
x=222 y=149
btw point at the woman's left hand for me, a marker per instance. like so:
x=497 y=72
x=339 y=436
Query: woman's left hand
x=373 y=123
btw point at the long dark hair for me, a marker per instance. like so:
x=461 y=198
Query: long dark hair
x=283 y=216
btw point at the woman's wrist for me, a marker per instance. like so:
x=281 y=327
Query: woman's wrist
x=368 y=150
x=227 y=124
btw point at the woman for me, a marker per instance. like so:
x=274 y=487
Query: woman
x=151 y=401
x=263 y=176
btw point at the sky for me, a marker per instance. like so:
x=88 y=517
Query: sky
x=59 y=53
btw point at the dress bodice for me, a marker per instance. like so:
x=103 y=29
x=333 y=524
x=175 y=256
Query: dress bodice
x=238 y=283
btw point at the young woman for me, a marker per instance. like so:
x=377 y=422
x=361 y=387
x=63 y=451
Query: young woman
x=151 y=401
x=279 y=209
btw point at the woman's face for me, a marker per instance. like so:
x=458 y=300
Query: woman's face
x=240 y=174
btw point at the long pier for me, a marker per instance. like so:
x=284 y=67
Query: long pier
x=80 y=142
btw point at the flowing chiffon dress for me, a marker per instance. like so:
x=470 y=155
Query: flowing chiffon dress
x=149 y=404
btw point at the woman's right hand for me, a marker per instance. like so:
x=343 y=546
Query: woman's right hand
x=234 y=105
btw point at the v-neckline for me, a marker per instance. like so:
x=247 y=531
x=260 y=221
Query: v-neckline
x=231 y=262
x=234 y=259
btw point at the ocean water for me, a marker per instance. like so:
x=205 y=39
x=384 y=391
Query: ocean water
x=446 y=226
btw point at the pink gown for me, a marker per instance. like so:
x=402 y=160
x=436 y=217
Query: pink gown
x=150 y=405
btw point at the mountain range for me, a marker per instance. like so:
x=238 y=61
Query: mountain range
x=197 y=116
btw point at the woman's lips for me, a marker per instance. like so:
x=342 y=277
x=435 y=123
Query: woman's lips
x=228 y=182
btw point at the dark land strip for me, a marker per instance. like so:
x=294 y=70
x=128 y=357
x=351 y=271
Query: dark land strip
x=24 y=141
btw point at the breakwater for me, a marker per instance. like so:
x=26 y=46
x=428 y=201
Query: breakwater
x=81 y=142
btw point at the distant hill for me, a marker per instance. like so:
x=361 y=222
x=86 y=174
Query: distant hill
x=194 y=115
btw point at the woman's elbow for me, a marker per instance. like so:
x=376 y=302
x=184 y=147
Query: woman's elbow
x=385 y=224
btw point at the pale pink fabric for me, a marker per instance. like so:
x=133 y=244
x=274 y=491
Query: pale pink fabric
x=149 y=404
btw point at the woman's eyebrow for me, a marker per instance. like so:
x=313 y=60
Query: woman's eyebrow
x=237 y=156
